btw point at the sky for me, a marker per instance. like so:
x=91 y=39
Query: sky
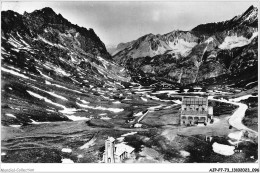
x=122 y=21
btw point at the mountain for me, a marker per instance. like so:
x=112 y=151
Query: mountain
x=173 y=43
x=186 y=57
x=49 y=65
x=248 y=18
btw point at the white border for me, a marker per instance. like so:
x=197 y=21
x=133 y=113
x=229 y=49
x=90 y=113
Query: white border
x=137 y=167
x=90 y=167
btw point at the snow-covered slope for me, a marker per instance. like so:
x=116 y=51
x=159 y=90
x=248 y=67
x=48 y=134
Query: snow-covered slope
x=176 y=42
x=231 y=42
x=207 y=51
x=52 y=69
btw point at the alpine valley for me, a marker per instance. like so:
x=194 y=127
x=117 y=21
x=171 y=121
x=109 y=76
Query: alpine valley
x=63 y=94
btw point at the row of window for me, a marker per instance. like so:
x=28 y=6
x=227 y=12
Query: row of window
x=197 y=109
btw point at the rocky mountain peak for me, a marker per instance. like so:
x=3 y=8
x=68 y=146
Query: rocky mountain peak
x=250 y=10
x=247 y=19
x=207 y=51
x=250 y=15
x=46 y=13
x=45 y=10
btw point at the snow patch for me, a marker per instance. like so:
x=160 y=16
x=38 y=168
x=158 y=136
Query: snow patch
x=128 y=134
x=210 y=39
x=105 y=118
x=76 y=118
x=59 y=86
x=177 y=101
x=138 y=114
x=138 y=125
x=15 y=126
x=236 y=135
x=56 y=95
x=13 y=68
x=10 y=115
x=44 y=75
x=36 y=122
x=116 y=110
x=83 y=101
x=66 y=150
x=184 y=153
x=14 y=73
x=166 y=91
x=117 y=102
x=127 y=99
x=50 y=110
x=155 y=107
x=47 y=82
x=12 y=40
x=182 y=47
x=231 y=42
x=222 y=149
x=65 y=109
x=144 y=99
x=152 y=97
x=51 y=93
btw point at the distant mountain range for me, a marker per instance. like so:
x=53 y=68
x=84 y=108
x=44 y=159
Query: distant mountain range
x=185 y=57
x=44 y=43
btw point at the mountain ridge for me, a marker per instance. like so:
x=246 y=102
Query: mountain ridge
x=39 y=20
x=48 y=64
x=190 y=53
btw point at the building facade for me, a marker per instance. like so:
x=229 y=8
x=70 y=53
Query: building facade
x=108 y=155
x=195 y=110
x=116 y=153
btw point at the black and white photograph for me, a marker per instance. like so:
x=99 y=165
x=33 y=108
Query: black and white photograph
x=111 y=82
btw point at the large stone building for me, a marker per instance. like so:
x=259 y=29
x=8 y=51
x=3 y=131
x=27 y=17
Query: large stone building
x=195 y=110
x=116 y=153
x=108 y=155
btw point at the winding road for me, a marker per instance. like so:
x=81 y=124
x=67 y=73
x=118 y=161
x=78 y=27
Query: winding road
x=236 y=118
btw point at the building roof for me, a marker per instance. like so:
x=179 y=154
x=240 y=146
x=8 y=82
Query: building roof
x=121 y=148
x=194 y=101
x=111 y=139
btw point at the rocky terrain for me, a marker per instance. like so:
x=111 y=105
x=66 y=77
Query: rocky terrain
x=63 y=94
x=205 y=52
x=52 y=61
